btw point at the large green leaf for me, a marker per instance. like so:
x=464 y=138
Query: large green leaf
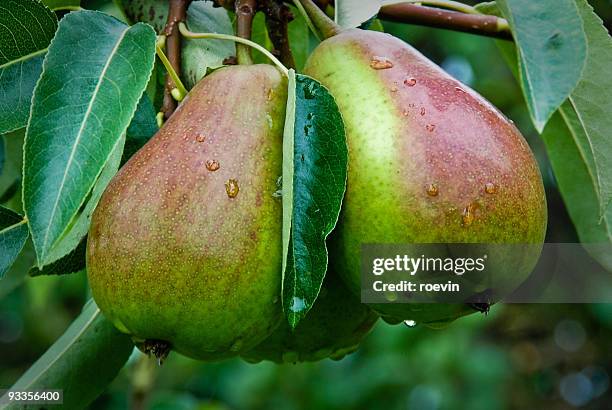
x=93 y=76
x=13 y=235
x=577 y=142
x=572 y=164
x=80 y=223
x=199 y=55
x=82 y=362
x=552 y=52
x=315 y=158
x=26 y=28
x=592 y=102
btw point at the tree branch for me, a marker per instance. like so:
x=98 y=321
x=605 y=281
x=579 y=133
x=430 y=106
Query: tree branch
x=484 y=25
x=177 y=11
x=278 y=17
x=245 y=12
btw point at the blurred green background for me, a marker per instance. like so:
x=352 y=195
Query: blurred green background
x=519 y=356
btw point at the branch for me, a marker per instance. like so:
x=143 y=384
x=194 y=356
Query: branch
x=484 y=25
x=176 y=13
x=278 y=17
x=245 y=12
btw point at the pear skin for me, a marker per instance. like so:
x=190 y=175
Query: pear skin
x=430 y=161
x=185 y=245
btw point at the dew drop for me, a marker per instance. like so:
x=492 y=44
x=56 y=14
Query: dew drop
x=410 y=82
x=231 y=187
x=405 y=113
x=432 y=190
x=380 y=63
x=200 y=138
x=422 y=110
x=430 y=127
x=490 y=188
x=212 y=165
x=297 y=305
x=310 y=91
x=410 y=323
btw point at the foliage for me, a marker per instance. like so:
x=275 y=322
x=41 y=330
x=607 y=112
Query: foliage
x=77 y=80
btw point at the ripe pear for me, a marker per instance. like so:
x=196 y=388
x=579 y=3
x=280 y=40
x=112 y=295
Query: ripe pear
x=430 y=161
x=185 y=246
x=333 y=328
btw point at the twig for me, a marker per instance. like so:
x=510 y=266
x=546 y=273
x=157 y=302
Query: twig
x=245 y=12
x=189 y=34
x=177 y=11
x=484 y=25
x=278 y=17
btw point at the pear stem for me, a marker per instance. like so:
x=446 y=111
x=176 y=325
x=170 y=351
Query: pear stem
x=245 y=12
x=181 y=90
x=327 y=27
x=216 y=36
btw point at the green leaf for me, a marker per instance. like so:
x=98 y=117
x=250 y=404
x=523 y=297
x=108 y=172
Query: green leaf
x=82 y=362
x=13 y=235
x=199 y=55
x=26 y=28
x=576 y=141
x=572 y=160
x=141 y=129
x=153 y=12
x=302 y=40
x=94 y=73
x=315 y=158
x=80 y=224
x=72 y=263
x=260 y=36
x=592 y=102
x=552 y=52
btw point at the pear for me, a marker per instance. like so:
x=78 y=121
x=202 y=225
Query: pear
x=333 y=328
x=184 y=249
x=430 y=161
